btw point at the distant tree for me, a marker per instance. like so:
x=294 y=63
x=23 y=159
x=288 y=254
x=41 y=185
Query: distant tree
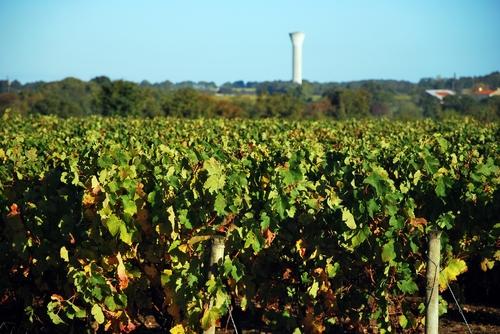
x=318 y=109
x=187 y=102
x=491 y=109
x=226 y=88
x=239 y=84
x=274 y=87
x=430 y=105
x=124 y=98
x=9 y=100
x=406 y=110
x=279 y=105
x=65 y=98
x=164 y=85
x=101 y=81
x=349 y=103
x=229 y=109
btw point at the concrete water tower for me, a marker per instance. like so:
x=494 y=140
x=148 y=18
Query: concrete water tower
x=297 y=41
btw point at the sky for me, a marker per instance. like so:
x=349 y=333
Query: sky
x=229 y=40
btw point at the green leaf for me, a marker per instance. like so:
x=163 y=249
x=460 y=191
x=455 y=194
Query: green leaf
x=109 y=301
x=360 y=237
x=291 y=175
x=264 y=221
x=388 y=253
x=79 y=312
x=446 y=220
x=407 y=286
x=376 y=182
x=97 y=313
x=443 y=144
x=440 y=187
x=372 y=207
x=221 y=299
x=125 y=234
x=97 y=292
x=220 y=204
x=252 y=240
x=113 y=223
x=348 y=218
x=280 y=204
x=56 y=319
x=216 y=178
x=129 y=207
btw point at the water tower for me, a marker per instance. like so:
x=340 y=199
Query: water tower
x=297 y=41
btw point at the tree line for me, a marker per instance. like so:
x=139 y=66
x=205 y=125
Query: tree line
x=359 y=99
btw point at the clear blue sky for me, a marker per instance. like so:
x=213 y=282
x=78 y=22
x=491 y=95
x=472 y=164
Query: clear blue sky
x=228 y=40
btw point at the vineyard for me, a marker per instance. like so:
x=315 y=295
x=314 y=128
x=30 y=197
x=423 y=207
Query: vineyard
x=106 y=222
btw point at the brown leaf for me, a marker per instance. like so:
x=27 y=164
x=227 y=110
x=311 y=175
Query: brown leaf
x=14 y=210
x=127 y=328
x=269 y=236
x=122 y=273
x=300 y=247
x=88 y=200
x=287 y=274
x=150 y=322
x=57 y=297
x=313 y=324
x=418 y=222
x=139 y=190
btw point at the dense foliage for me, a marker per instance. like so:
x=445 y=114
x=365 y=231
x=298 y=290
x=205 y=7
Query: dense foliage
x=368 y=98
x=105 y=221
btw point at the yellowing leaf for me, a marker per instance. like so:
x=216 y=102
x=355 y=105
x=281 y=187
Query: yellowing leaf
x=88 y=200
x=487 y=264
x=416 y=177
x=300 y=247
x=450 y=273
x=97 y=313
x=125 y=234
x=113 y=223
x=348 y=218
x=122 y=273
x=313 y=289
x=210 y=317
x=183 y=248
x=95 y=185
x=403 y=321
x=63 y=252
x=198 y=238
x=177 y=329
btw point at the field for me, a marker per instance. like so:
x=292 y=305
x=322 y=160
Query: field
x=106 y=222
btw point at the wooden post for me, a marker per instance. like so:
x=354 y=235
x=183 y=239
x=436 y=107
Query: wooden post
x=432 y=287
x=217 y=253
x=217 y=249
